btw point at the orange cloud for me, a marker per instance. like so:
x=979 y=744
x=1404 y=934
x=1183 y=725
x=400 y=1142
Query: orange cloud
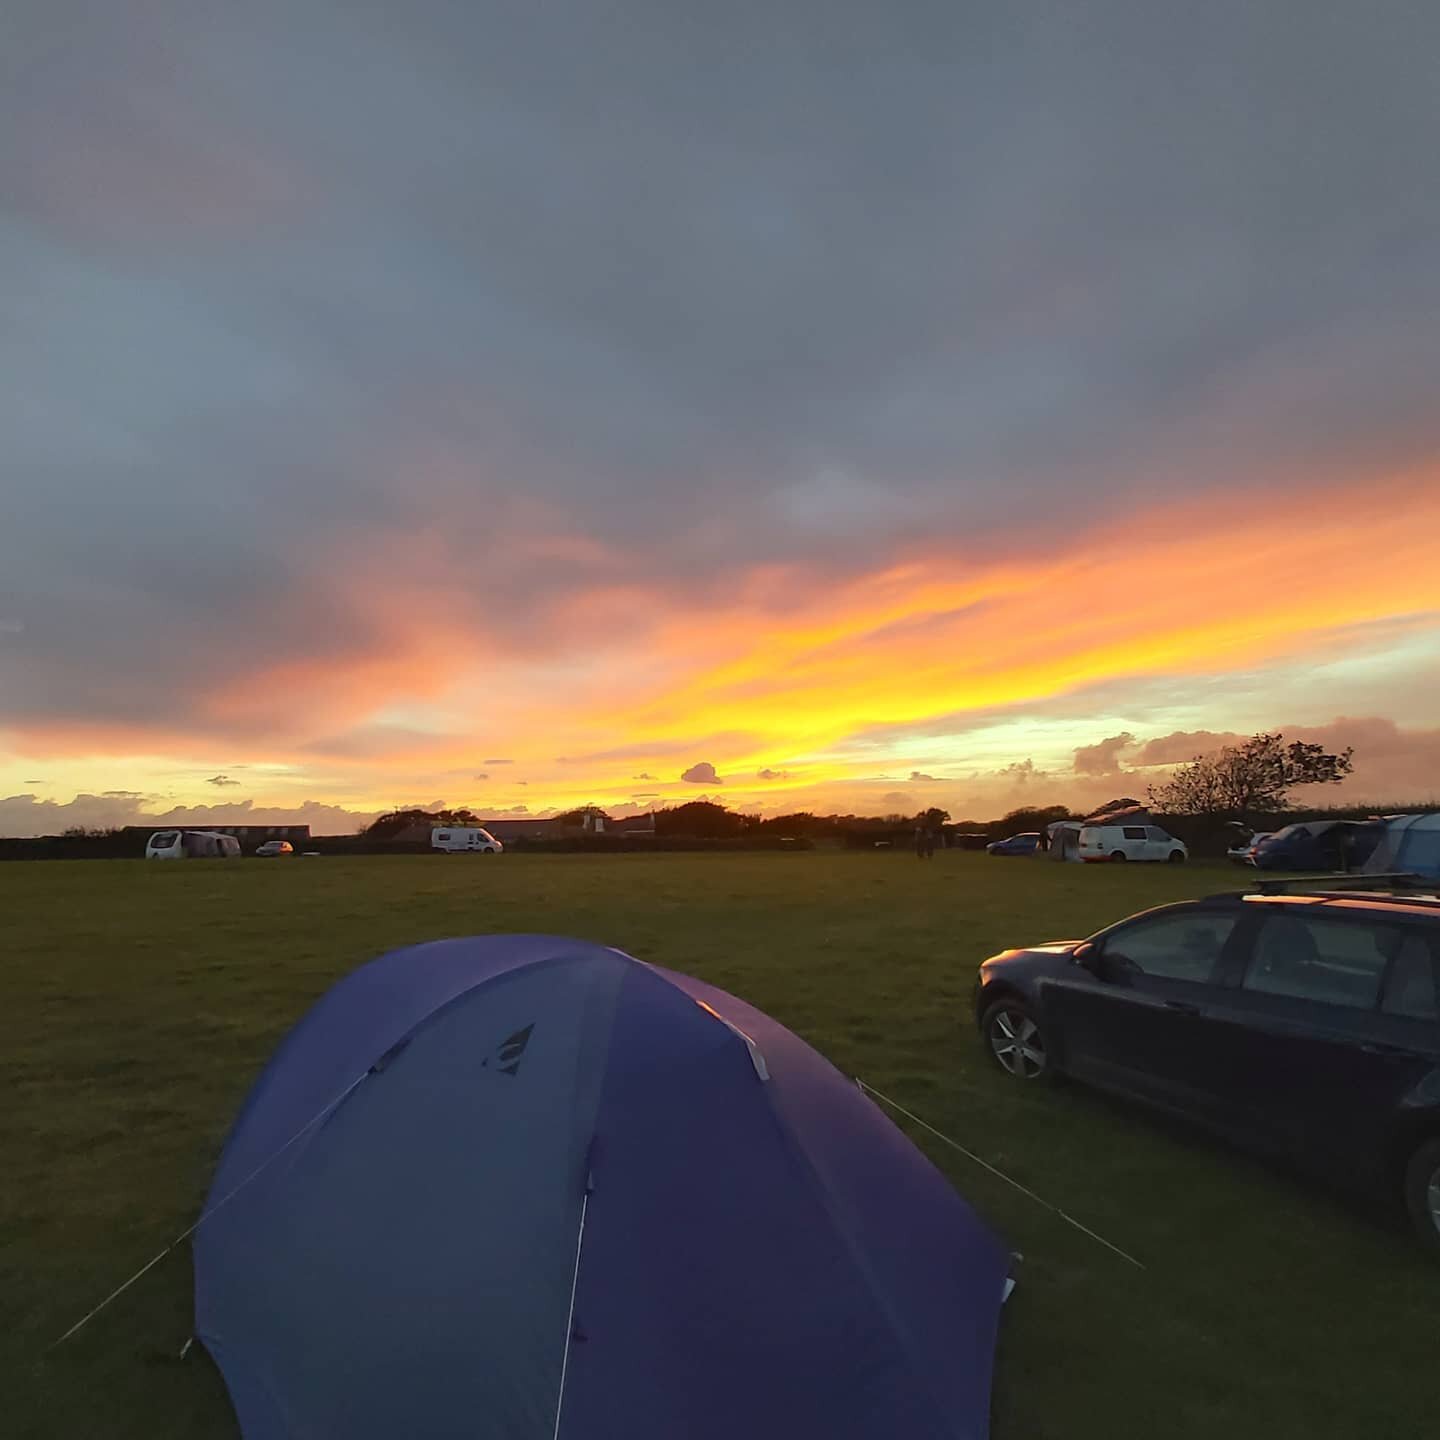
x=796 y=664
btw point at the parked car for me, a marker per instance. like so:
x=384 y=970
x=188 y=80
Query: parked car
x=1319 y=845
x=1306 y=1026
x=191 y=845
x=1131 y=842
x=275 y=847
x=454 y=838
x=1026 y=844
x=1242 y=852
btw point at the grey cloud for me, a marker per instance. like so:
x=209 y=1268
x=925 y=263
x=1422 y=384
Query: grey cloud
x=499 y=762
x=27 y=815
x=483 y=775
x=221 y=780
x=1103 y=758
x=644 y=775
x=702 y=773
x=768 y=774
x=916 y=775
x=947 y=275
x=1182 y=745
x=1394 y=764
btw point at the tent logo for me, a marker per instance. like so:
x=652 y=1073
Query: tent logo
x=511 y=1050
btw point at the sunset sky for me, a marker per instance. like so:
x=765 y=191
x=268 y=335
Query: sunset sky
x=839 y=406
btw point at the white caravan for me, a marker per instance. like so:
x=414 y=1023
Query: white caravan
x=191 y=845
x=453 y=838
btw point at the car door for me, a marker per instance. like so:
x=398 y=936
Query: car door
x=1158 y=843
x=1134 y=1016
x=1331 y=1028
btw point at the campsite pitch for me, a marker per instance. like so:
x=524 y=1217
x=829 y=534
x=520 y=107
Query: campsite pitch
x=140 y=1000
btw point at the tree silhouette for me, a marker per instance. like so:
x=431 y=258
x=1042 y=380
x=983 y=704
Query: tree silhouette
x=1250 y=779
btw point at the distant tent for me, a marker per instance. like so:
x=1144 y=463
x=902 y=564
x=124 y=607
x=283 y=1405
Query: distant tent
x=527 y=1187
x=1064 y=840
x=1410 y=845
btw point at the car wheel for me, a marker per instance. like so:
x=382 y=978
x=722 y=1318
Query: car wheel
x=1422 y=1194
x=1119 y=855
x=1015 y=1041
x=1177 y=857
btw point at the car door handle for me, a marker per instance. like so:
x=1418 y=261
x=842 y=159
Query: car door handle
x=1183 y=1007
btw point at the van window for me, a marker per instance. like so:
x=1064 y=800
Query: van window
x=442 y=835
x=1328 y=961
x=1134 y=832
x=164 y=840
x=1154 y=832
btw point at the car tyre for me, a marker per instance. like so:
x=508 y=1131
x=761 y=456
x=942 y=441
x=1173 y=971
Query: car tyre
x=1422 y=1194
x=1177 y=857
x=1118 y=855
x=1015 y=1042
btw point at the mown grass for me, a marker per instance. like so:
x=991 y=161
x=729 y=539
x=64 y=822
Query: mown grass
x=140 y=1000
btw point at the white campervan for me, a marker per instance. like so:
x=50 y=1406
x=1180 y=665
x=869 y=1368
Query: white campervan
x=191 y=845
x=1131 y=842
x=465 y=837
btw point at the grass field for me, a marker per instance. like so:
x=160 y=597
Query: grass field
x=140 y=1000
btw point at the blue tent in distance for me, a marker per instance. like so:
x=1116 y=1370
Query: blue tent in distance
x=520 y=1186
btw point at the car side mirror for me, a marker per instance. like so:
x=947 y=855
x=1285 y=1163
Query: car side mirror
x=1087 y=956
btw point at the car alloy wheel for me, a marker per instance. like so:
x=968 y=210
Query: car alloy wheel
x=1016 y=1043
x=1422 y=1193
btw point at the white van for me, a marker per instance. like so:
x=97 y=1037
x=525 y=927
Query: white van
x=465 y=837
x=1131 y=842
x=191 y=845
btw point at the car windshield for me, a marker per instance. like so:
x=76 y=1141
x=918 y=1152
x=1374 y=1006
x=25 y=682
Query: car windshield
x=164 y=839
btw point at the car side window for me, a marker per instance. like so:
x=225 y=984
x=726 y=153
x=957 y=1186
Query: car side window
x=1410 y=989
x=1173 y=947
x=1134 y=832
x=1158 y=835
x=1313 y=958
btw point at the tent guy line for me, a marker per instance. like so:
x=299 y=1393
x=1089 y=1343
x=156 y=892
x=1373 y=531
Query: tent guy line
x=986 y=1165
x=219 y=1205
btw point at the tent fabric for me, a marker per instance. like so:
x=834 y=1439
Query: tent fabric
x=1064 y=837
x=763 y=1251
x=1410 y=844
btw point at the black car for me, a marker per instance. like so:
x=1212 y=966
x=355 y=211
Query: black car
x=1303 y=1024
x=1319 y=845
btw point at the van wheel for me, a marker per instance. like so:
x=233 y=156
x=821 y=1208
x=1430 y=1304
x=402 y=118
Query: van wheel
x=1177 y=857
x=1422 y=1194
x=1119 y=855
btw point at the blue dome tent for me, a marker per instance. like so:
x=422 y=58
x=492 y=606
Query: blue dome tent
x=526 y=1187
